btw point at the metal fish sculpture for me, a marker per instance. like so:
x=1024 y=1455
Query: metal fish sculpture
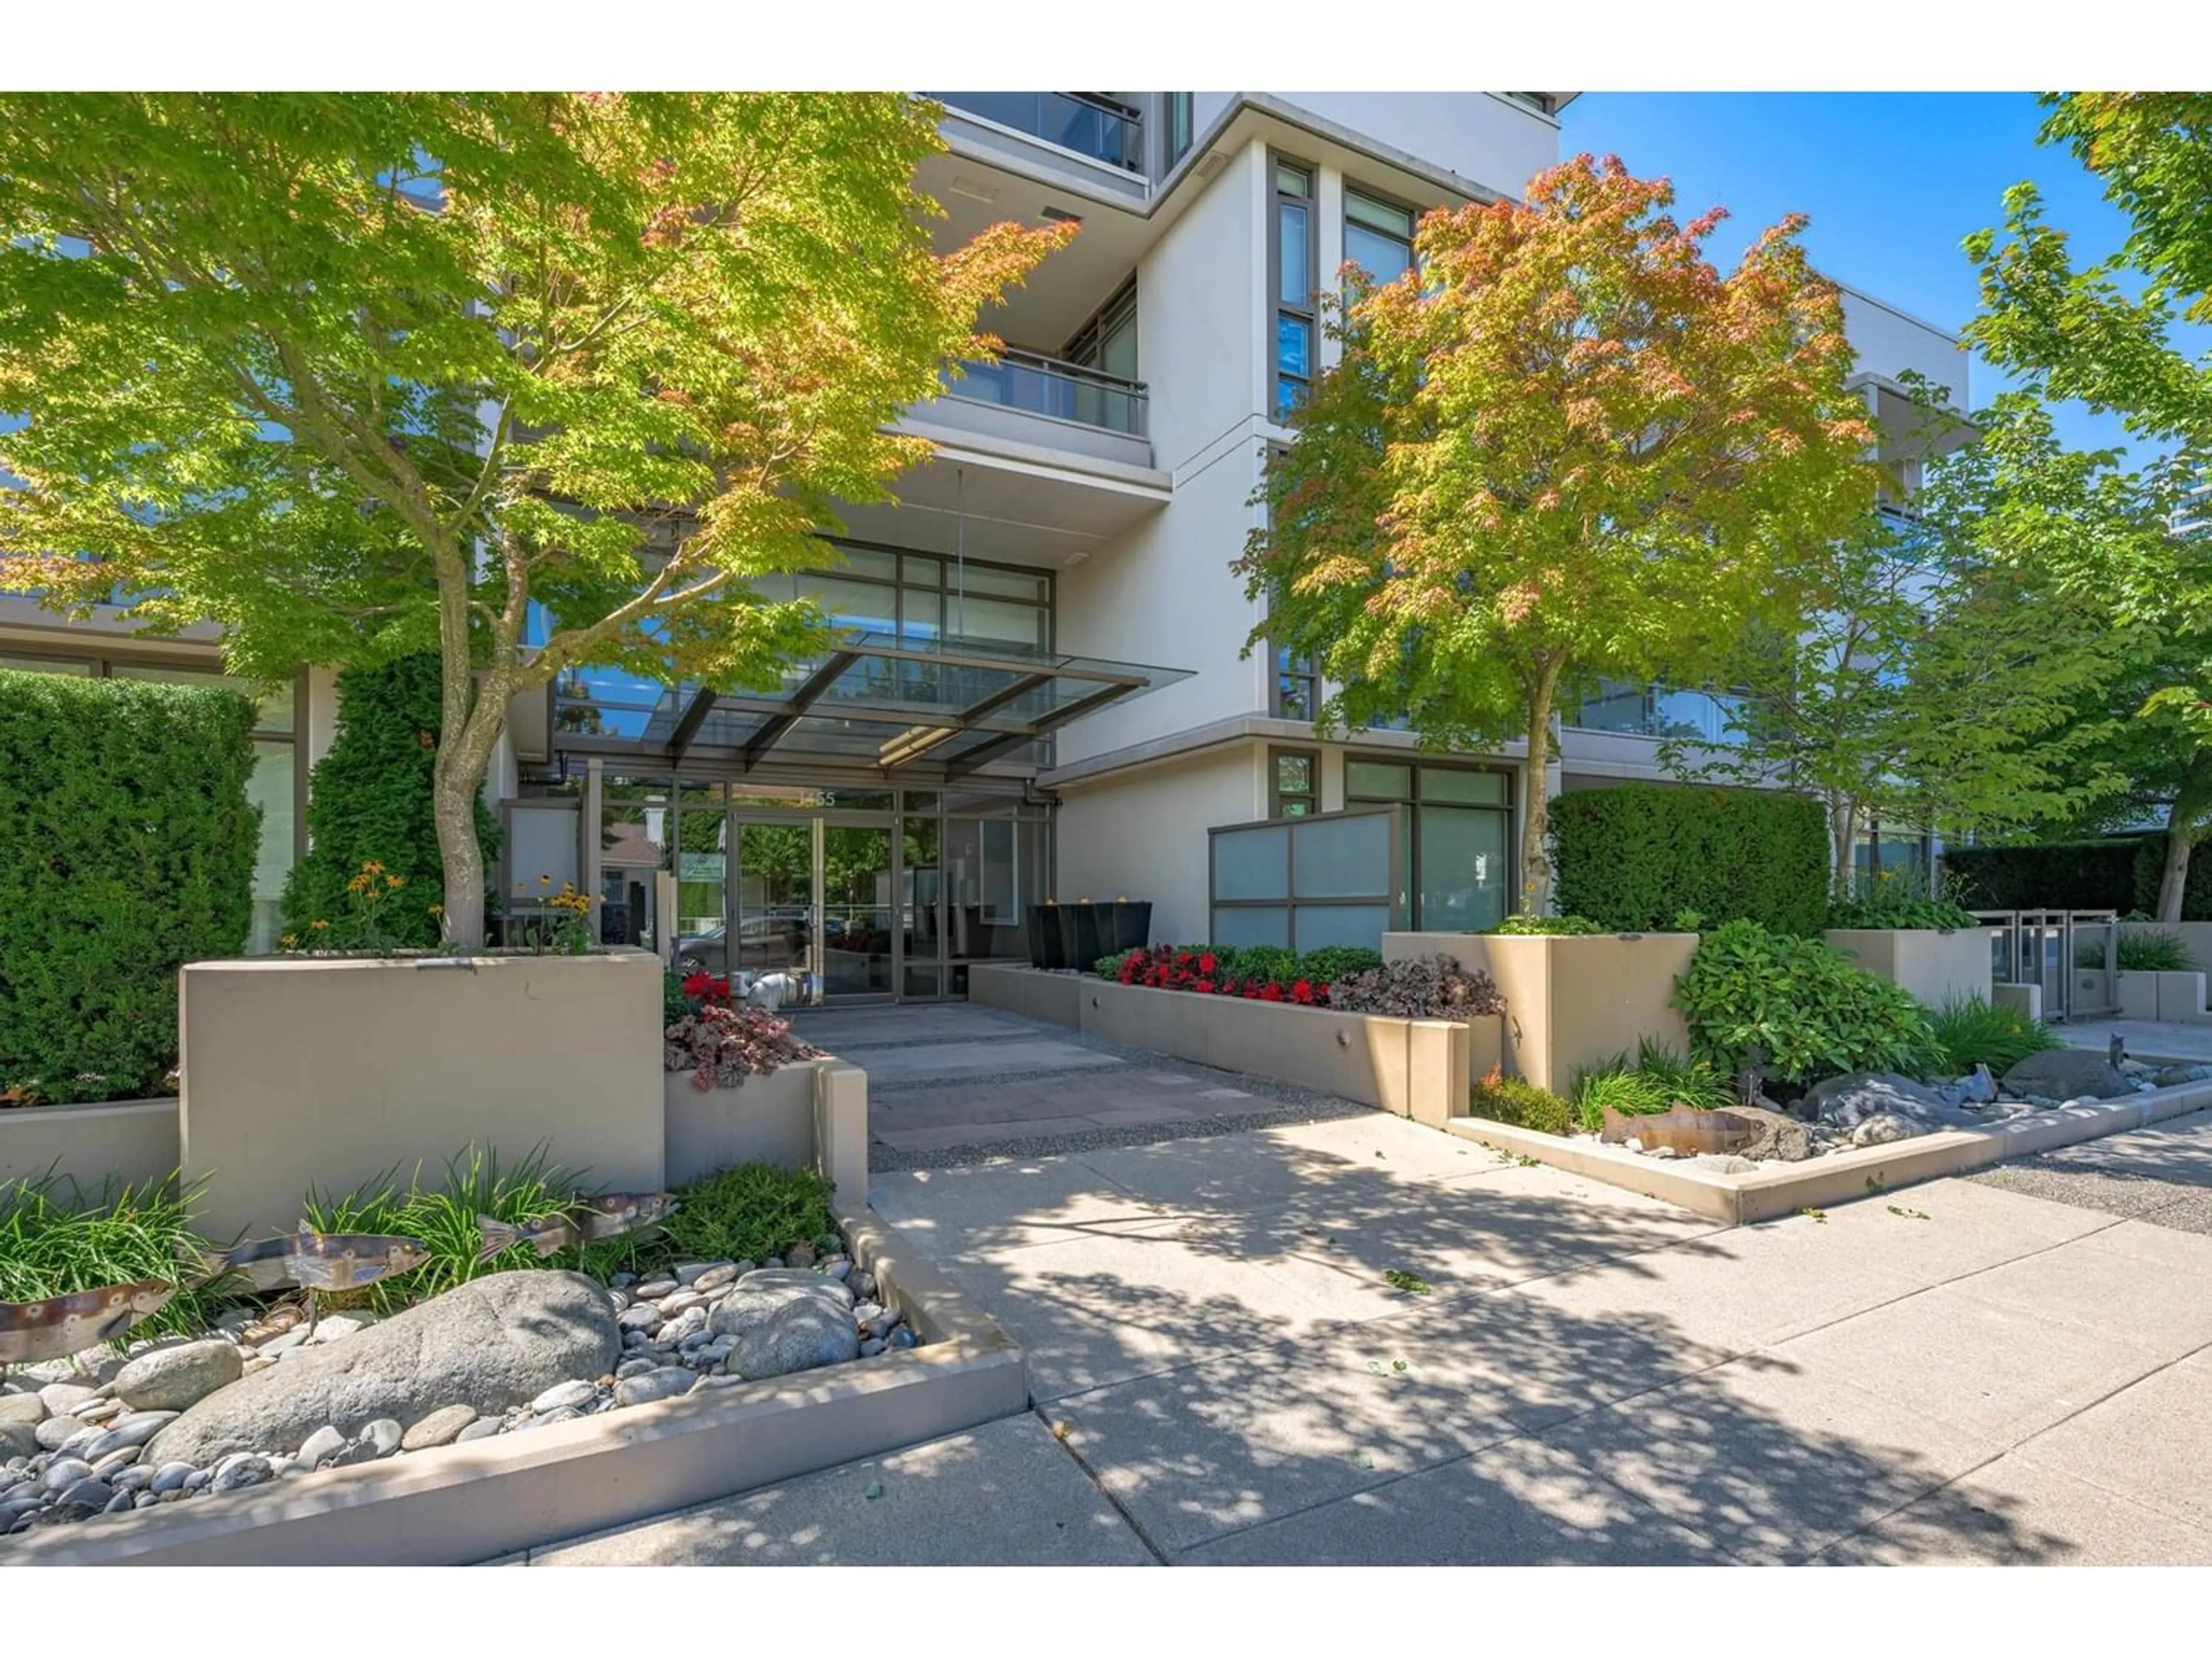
x=586 y=1221
x=63 y=1325
x=317 y=1262
x=347 y=1262
x=1686 y=1129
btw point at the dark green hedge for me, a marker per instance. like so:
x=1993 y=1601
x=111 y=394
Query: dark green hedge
x=370 y=799
x=1634 y=857
x=126 y=849
x=2118 y=872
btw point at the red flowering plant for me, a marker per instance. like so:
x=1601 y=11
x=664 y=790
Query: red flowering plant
x=1269 y=977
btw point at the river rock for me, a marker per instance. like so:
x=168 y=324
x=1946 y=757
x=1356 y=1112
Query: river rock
x=2065 y=1074
x=439 y=1428
x=65 y=1472
x=241 y=1470
x=483 y=1429
x=62 y=1398
x=1848 y=1101
x=1881 y=1129
x=20 y=1417
x=134 y=1429
x=170 y=1477
x=573 y=1392
x=55 y=1433
x=491 y=1344
x=320 y=1446
x=171 y=1379
x=665 y=1384
x=784 y=1321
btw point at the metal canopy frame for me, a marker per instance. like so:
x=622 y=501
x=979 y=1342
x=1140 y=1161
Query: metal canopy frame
x=922 y=732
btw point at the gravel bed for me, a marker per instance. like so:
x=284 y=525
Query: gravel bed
x=2173 y=1204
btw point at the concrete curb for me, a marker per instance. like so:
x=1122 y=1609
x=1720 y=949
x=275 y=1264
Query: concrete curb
x=490 y=1498
x=1739 y=1199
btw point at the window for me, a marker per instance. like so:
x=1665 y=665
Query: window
x=1180 y=122
x=1292 y=258
x=1539 y=101
x=1108 y=344
x=1295 y=696
x=1378 y=237
x=1455 y=833
x=1293 y=783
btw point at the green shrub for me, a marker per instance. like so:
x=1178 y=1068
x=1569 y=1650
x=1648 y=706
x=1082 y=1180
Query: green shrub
x=369 y=800
x=1899 y=901
x=1511 y=1100
x=2070 y=875
x=2153 y=953
x=1568 y=927
x=55 y=1239
x=1969 y=1029
x=1332 y=963
x=1811 y=1012
x=1634 y=857
x=1655 y=1082
x=753 y=1210
x=127 y=847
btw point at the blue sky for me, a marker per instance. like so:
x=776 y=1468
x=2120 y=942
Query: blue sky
x=1893 y=182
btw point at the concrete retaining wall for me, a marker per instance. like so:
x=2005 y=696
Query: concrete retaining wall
x=2169 y=996
x=1571 y=1003
x=1055 y=999
x=1932 y=964
x=2028 y=999
x=303 y=1074
x=1415 y=1068
x=772 y=1118
x=94 y=1145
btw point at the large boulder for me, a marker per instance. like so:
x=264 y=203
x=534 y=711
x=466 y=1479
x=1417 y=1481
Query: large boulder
x=492 y=1344
x=1848 y=1101
x=779 y=1321
x=174 y=1378
x=1779 y=1135
x=2068 y=1074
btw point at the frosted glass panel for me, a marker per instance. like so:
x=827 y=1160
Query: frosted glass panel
x=1344 y=858
x=1462 y=869
x=543 y=843
x=1342 y=924
x=1268 y=926
x=1252 y=864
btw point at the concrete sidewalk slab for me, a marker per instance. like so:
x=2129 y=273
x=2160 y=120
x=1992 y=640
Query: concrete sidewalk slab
x=2147 y=1442
x=1522 y=1503
x=2013 y=1512
x=1005 y=1493
x=984 y=1210
x=1774 y=1458
x=2165 y=1277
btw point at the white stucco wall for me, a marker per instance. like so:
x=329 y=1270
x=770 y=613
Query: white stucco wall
x=1887 y=341
x=1142 y=834
x=1478 y=135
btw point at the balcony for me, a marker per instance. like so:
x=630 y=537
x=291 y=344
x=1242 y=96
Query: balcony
x=1662 y=711
x=1093 y=126
x=1058 y=390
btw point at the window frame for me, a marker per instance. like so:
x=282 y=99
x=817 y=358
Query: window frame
x=1414 y=799
x=1308 y=315
x=1412 y=218
x=1277 y=796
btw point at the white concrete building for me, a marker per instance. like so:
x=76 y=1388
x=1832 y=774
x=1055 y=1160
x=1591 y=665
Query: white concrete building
x=1043 y=693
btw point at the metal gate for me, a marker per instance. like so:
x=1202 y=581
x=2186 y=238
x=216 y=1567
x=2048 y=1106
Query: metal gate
x=2069 y=954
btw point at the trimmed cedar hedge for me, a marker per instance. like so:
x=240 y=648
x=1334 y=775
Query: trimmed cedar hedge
x=126 y=850
x=1634 y=857
x=2120 y=872
x=370 y=799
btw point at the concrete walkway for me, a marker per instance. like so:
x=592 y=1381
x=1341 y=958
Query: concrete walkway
x=952 y=1082
x=1225 y=1372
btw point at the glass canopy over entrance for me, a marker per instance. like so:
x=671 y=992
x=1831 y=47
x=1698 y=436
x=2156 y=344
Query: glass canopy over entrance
x=935 y=709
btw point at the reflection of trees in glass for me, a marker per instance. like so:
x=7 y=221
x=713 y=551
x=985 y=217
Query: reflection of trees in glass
x=572 y=711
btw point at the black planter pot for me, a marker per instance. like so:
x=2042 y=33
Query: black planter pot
x=1132 y=927
x=1094 y=932
x=1042 y=921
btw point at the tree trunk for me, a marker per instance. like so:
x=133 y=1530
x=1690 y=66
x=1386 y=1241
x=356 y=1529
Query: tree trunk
x=453 y=800
x=1843 y=834
x=1536 y=821
x=2173 y=881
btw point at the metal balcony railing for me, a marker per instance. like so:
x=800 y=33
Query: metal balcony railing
x=1083 y=122
x=1045 y=385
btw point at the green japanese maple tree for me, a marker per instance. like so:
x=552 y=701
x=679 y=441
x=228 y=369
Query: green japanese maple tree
x=1564 y=446
x=535 y=381
x=2109 y=333
x=1939 y=676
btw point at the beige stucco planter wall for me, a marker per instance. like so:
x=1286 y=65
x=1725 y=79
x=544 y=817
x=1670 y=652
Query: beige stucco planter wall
x=813 y=1115
x=1931 y=963
x=94 y=1143
x=1055 y=999
x=2169 y=996
x=1416 y=1068
x=313 y=1073
x=1571 y=1003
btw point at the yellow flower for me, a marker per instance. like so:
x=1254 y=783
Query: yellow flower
x=290 y=940
x=544 y=881
x=437 y=910
x=318 y=924
x=395 y=883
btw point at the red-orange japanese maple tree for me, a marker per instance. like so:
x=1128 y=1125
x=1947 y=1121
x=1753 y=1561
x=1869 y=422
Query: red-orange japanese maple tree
x=1564 y=447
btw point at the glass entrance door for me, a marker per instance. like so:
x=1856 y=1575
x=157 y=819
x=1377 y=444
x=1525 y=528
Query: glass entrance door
x=860 y=918
x=773 y=909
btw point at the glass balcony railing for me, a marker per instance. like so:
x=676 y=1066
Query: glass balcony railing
x=1662 y=711
x=1045 y=385
x=1104 y=130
